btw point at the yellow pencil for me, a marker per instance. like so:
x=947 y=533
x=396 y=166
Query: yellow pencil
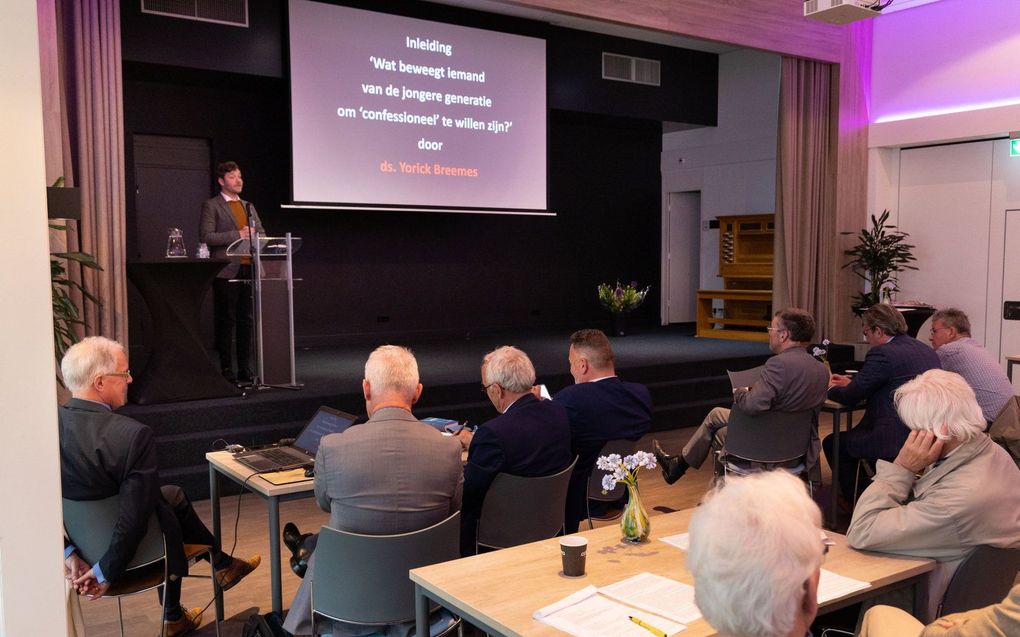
x=652 y=629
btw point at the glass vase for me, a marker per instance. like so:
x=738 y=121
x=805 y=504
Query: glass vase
x=634 y=523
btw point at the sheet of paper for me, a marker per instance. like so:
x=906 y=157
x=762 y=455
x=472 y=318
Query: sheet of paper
x=598 y=616
x=656 y=594
x=745 y=377
x=680 y=540
x=286 y=477
x=832 y=586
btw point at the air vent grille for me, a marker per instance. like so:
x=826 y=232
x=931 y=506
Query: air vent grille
x=232 y=12
x=626 y=68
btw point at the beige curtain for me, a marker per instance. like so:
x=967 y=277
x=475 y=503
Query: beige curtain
x=806 y=243
x=84 y=132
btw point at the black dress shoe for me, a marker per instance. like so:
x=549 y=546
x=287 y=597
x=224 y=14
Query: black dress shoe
x=292 y=537
x=673 y=467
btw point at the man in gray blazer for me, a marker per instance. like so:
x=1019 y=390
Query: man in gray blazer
x=792 y=380
x=225 y=219
x=392 y=474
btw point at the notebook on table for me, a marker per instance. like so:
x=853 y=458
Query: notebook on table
x=325 y=421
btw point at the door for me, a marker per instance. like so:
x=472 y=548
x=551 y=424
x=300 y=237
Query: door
x=1009 y=345
x=683 y=255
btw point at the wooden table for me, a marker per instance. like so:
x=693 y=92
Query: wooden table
x=223 y=463
x=499 y=591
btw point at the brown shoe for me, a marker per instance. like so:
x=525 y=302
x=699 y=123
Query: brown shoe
x=236 y=571
x=189 y=621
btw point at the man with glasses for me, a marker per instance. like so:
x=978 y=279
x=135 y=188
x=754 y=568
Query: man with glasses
x=958 y=352
x=894 y=358
x=792 y=380
x=103 y=454
x=529 y=437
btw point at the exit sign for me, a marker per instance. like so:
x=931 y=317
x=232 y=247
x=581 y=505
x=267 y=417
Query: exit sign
x=1014 y=148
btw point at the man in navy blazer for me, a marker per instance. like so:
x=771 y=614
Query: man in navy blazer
x=103 y=454
x=894 y=358
x=530 y=437
x=601 y=407
x=225 y=219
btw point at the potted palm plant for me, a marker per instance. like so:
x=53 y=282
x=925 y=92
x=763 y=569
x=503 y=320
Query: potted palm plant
x=880 y=255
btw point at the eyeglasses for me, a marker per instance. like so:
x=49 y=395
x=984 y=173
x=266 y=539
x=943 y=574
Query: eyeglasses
x=936 y=329
x=485 y=388
x=124 y=374
x=776 y=329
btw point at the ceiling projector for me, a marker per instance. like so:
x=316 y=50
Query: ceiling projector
x=840 y=11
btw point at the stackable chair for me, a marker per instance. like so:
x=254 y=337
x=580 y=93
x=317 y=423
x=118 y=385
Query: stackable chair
x=767 y=441
x=984 y=578
x=518 y=510
x=363 y=579
x=624 y=448
x=89 y=525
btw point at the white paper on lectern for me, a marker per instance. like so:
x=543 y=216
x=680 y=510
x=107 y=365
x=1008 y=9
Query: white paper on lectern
x=656 y=594
x=588 y=614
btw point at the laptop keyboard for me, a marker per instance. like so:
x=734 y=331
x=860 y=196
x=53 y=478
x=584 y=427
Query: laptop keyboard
x=280 y=456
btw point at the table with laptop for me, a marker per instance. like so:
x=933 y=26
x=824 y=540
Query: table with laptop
x=280 y=473
x=275 y=474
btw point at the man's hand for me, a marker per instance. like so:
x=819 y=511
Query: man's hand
x=920 y=450
x=838 y=380
x=74 y=567
x=87 y=584
x=465 y=436
x=245 y=232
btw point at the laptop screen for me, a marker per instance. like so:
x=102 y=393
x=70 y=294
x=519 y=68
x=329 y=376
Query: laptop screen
x=326 y=421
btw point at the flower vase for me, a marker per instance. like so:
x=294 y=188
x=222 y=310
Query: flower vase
x=634 y=524
x=620 y=323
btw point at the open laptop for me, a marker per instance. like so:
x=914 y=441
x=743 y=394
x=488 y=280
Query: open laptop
x=325 y=421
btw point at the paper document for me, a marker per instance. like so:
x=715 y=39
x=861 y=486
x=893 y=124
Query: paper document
x=586 y=613
x=833 y=586
x=746 y=377
x=656 y=594
x=681 y=540
x=286 y=477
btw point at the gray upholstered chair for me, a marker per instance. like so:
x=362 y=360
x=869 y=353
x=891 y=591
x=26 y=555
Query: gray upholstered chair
x=363 y=579
x=518 y=510
x=766 y=441
x=624 y=448
x=89 y=525
x=984 y=578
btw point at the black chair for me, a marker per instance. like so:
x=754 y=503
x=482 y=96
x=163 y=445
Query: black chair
x=363 y=579
x=767 y=441
x=984 y=578
x=89 y=525
x=624 y=448
x=518 y=510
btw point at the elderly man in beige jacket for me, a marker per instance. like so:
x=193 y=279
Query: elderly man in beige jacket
x=949 y=490
x=997 y=620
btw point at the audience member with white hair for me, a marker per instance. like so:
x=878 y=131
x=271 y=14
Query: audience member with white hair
x=529 y=437
x=392 y=474
x=949 y=490
x=105 y=454
x=756 y=553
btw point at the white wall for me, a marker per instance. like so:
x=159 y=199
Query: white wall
x=945 y=71
x=733 y=164
x=31 y=573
